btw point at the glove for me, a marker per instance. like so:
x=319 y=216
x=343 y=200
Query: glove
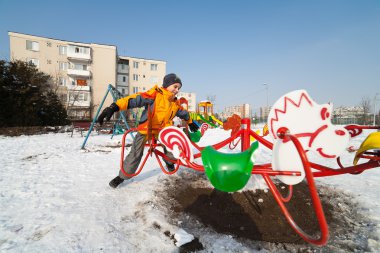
x=107 y=113
x=193 y=127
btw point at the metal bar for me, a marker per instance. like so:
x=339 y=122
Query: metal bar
x=96 y=116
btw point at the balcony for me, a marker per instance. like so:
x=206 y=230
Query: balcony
x=79 y=53
x=80 y=88
x=79 y=96
x=123 y=69
x=79 y=72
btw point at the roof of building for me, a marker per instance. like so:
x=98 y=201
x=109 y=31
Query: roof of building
x=61 y=39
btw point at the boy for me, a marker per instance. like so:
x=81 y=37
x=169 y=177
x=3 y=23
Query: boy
x=161 y=107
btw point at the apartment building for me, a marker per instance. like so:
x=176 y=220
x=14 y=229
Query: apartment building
x=138 y=74
x=242 y=110
x=83 y=71
x=191 y=98
x=264 y=112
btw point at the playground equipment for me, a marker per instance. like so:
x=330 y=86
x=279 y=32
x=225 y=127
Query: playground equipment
x=205 y=113
x=116 y=128
x=298 y=126
x=233 y=123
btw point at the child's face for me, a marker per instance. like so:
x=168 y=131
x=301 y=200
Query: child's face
x=174 y=88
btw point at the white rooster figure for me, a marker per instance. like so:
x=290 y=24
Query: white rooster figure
x=311 y=123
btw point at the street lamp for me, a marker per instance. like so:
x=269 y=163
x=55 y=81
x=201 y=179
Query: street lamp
x=374 y=109
x=266 y=109
x=266 y=88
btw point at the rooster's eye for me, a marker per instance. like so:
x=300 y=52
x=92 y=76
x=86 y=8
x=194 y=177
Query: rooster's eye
x=324 y=113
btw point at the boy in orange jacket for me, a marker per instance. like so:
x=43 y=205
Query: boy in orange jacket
x=161 y=106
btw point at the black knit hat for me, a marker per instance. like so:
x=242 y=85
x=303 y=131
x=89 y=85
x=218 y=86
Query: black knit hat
x=169 y=79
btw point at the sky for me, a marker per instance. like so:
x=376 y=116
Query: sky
x=238 y=51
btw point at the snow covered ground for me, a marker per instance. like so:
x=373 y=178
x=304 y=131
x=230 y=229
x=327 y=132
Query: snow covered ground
x=55 y=197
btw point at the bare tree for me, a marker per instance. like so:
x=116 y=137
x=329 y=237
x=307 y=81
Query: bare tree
x=212 y=99
x=365 y=105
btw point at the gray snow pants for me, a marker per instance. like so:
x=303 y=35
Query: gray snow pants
x=133 y=159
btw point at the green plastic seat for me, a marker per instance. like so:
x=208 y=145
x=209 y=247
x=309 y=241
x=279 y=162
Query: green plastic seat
x=193 y=136
x=196 y=136
x=228 y=172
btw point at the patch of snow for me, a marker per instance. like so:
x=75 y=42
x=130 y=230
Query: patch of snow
x=182 y=237
x=55 y=198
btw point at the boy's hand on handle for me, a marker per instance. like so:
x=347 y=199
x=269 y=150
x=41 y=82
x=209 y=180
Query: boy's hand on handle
x=107 y=113
x=193 y=127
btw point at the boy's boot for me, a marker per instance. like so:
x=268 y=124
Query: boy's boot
x=116 y=181
x=170 y=167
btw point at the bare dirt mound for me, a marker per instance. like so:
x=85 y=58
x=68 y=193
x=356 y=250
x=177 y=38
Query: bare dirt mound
x=254 y=216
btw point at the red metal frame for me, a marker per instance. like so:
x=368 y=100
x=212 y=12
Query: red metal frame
x=266 y=171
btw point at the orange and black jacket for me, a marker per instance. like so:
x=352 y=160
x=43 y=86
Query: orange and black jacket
x=161 y=106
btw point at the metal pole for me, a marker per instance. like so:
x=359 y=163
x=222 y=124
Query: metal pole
x=116 y=95
x=267 y=100
x=374 y=109
x=266 y=88
x=96 y=116
x=266 y=108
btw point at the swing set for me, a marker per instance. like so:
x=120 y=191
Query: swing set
x=298 y=127
x=117 y=128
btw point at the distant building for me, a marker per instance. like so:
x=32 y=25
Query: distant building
x=264 y=112
x=82 y=71
x=348 y=115
x=242 y=110
x=191 y=99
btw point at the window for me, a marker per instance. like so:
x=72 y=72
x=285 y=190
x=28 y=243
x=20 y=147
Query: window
x=78 y=66
x=34 y=61
x=124 y=79
x=72 y=96
x=82 y=50
x=135 y=77
x=81 y=82
x=135 y=89
x=32 y=45
x=62 y=81
x=82 y=97
x=154 y=79
x=78 y=96
x=153 y=67
x=62 y=50
x=123 y=91
x=135 y=65
x=63 y=65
